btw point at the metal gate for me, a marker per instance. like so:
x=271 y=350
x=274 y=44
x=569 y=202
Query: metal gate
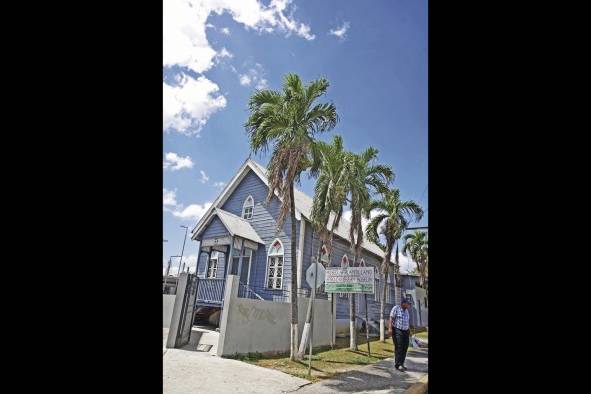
x=183 y=312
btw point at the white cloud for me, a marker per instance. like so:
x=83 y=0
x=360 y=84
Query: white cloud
x=192 y=212
x=245 y=80
x=174 y=162
x=188 y=106
x=254 y=75
x=225 y=53
x=406 y=263
x=225 y=31
x=219 y=184
x=204 y=177
x=341 y=32
x=262 y=84
x=169 y=198
x=364 y=222
x=184 y=26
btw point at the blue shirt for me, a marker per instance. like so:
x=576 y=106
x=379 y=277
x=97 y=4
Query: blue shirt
x=399 y=317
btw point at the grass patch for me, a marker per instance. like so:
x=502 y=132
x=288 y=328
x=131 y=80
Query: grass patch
x=326 y=363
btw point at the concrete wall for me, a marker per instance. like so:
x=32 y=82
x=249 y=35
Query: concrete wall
x=420 y=295
x=249 y=326
x=167 y=306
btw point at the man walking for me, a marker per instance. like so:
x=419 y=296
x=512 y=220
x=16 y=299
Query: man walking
x=399 y=330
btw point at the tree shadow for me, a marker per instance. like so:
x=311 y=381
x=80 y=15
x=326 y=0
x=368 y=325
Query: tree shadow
x=380 y=376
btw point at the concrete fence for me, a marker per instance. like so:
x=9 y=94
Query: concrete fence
x=167 y=307
x=249 y=326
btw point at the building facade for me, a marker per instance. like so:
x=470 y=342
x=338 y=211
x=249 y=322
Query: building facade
x=238 y=235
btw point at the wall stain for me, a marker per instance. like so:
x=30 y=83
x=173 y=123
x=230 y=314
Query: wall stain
x=254 y=313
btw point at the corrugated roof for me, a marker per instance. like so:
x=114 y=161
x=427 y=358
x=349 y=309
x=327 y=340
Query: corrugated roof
x=238 y=226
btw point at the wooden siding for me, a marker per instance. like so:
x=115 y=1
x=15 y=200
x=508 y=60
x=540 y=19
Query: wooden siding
x=265 y=224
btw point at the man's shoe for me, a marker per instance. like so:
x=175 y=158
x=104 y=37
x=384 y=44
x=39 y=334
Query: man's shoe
x=402 y=368
x=397 y=366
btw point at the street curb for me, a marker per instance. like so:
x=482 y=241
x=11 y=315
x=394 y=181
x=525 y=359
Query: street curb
x=420 y=387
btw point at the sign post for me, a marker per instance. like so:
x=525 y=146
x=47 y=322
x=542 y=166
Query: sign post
x=314 y=276
x=352 y=280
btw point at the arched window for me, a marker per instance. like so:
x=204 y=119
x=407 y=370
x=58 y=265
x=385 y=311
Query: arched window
x=362 y=263
x=344 y=261
x=247 y=207
x=275 y=265
x=324 y=256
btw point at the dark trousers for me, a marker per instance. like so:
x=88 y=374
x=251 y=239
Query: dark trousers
x=400 y=339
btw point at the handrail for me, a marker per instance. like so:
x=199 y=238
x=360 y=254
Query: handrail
x=249 y=290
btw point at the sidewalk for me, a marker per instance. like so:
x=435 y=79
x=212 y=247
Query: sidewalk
x=380 y=377
x=189 y=371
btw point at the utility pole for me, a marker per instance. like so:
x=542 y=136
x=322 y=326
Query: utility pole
x=183 y=250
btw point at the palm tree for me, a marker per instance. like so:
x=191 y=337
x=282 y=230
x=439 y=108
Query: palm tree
x=288 y=120
x=393 y=217
x=329 y=198
x=417 y=245
x=364 y=178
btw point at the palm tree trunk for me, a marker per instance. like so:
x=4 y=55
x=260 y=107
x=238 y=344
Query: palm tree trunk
x=385 y=266
x=294 y=279
x=352 y=316
x=352 y=330
x=306 y=331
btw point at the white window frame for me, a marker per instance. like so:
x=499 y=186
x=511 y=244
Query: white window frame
x=270 y=258
x=347 y=259
x=248 y=203
x=213 y=269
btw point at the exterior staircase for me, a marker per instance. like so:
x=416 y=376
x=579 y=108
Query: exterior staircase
x=203 y=339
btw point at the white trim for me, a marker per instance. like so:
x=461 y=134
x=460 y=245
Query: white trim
x=269 y=256
x=240 y=174
x=229 y=189
x=348 y=261
x=282 y=248
x=251 y=245
x=216 y=241
x=217 y=264
x=251 y=205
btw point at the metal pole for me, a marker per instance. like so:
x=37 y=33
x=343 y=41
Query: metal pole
x=166 y=276
x=312 y=317
x=183 y=250
x=367 y=326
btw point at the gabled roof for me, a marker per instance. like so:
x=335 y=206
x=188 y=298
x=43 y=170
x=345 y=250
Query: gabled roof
x=236 y=225
x=303 y=205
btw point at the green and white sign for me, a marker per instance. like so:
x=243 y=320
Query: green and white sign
x=349 y=280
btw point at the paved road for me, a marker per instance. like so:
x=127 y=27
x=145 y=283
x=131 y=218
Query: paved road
x=380 y=377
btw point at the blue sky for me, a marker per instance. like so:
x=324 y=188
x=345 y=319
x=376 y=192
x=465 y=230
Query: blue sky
x=217 y=52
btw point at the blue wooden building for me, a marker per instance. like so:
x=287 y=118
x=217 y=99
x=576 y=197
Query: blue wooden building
x=238 y=235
